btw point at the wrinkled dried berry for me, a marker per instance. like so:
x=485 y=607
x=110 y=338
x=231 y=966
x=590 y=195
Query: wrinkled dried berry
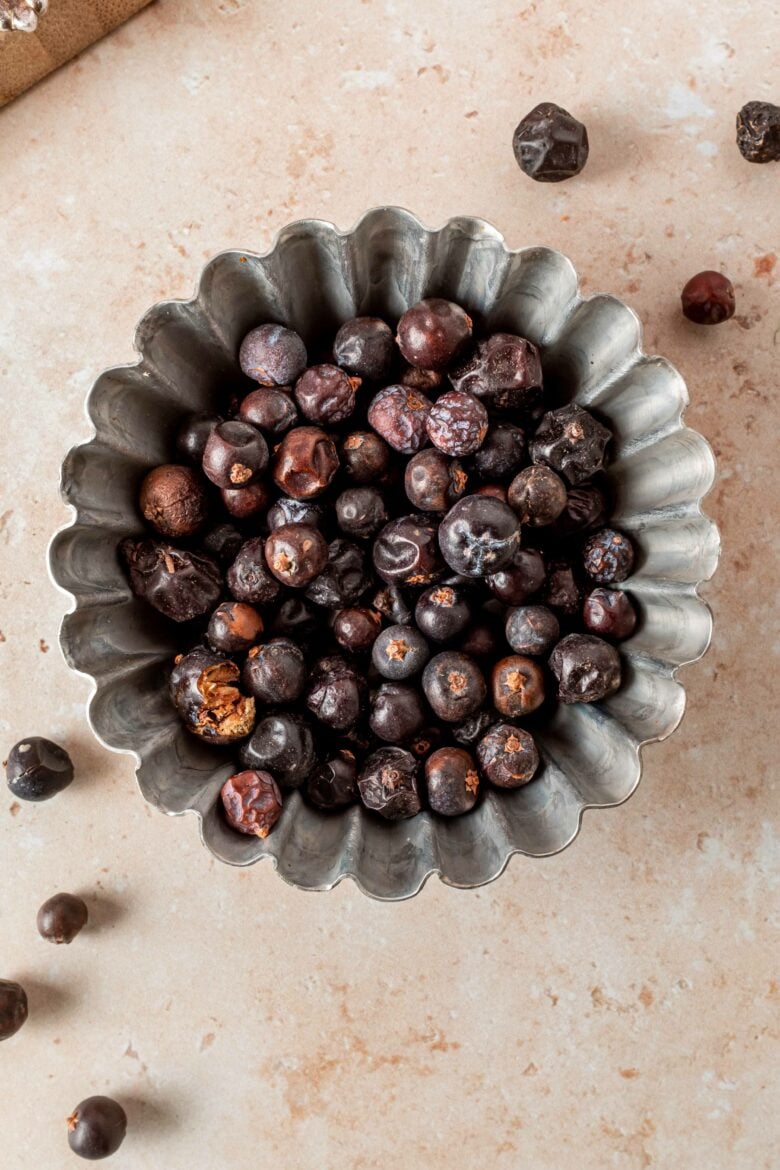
x=758 y=132
x=182 y=585
x=608 y=556
x=247 y=501
x=433 y=482
x=442 y=613
x=432 y=333
x=273 y=355
x=365 y=457
x=356 y=628
x=397 y=712
x=572 y=442
x=305 y=462
x=97 y=1128
x=334 y=784
x=335 y=693
x=406 y=553
x=282 y=744
x=248 y=578
x=37 y=769
x=564 y=590
x=549 y=144
x=454 y=686
x=520 y=580
x=502 y=452
x=504 y=368
x=13 y=1008
x=517 y=685
x=288 y=511
x=343 y=580
x=236 y=455
x=393 y=604
x=252 y=802
x=364 y=346
x=508 y=756
x=708 y=298
x=361 y=511
x=296 y=554
x=173 y=501
x=538 y=495
x=609 y=613
x=587 y=669
x=399 y=652
x=388 y=783
x=193 y=435
x=470 y=731
x=398 y=414
x=457 y=423
x=234 y=626
x=532 y=629
x=223 y=543
x=61 y=918
x=275 y=671
x=478 y=536
x=452 y=781
x=325 y=394
x=585 y=508
x=270 y=409
x=204 y=691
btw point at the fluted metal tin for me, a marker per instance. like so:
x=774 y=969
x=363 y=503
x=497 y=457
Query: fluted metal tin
x=313 y=278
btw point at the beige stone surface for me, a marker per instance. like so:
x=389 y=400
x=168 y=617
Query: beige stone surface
x=615 y=1006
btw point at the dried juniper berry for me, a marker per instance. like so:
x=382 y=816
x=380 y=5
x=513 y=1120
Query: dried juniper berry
x=296 y=618
x=204 y=690
x=399 y=652
x=234 y=626
x=182 y=585
x=38 y=768
x=406 y=552
x=289 y=511
x=758 y=132
x=344 y=578
x=572 y=442
x=708 y=298
x=549 y=144
x=432 y=333
x=502 y=452
x=508 y=756
x=365 y=347
x=587 y=669
x=504 y=368
x=388 y=783
x=585 y=508
x=482 y=639
x=365 y=457
x=457 y=423
x=270 y=409
x=172 y=499
x=519 y=580
x=13 y=1008
x=361 y=511
x=470 y=731
x=273 y=355
x=424 y=380
x=496 y=491
x=538 y=495
x=236 y=455
x=325 y=394
x=252 y=802
x=275 y=671
x=397 y=712
x=398 y=415
x=517 y=685
x=442 y=612
x=355 y=628
x=532 y=629
x=426 y=741
x=334 y=783
x=563 y=590
x=608 y=556
x=392 y=603
x=97 y=1128
x=296 y=554
x=433 y=482
x=609 y=613
x=61 y=918
x=305 y=462
x=335 y=693
x=248 y=578
x=283 y=744
x=454 y=686
x=223 y=542
x=246 y=501
x=193 y=434
x=452 y=781
x=479 y=535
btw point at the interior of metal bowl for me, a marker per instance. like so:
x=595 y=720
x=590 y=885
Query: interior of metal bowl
x=313 y=279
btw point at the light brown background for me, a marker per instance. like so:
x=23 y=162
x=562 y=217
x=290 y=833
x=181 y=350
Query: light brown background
x=615 y=1006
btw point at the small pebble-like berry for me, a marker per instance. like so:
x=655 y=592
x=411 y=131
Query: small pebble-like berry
x=361 y=511
x=508 y=756
x=273 y=355
x=433 y=482
x=708 y=298
x=305 y=462
x=97 y=1128
x=502 y=452
x=13 y=1008
x=608 y=556
x=325 y=394
x=173 y=501
x=61 y=918
x=587 y=669
x=442 y=613
x=479 y=535
x=397 y=712
x=549 y=144
x=37 y=769
x=572 y=442
x=204 y=690
x=388 y=783
x=532 y=629
x=270 y=409
x=758 y=132
x=335 y=693
x=236 y=455
x=457 y=423
x=249 y=578
x=406 y=552
x=364 y=347
x=275 y=671
x=252 y=802
x=246 y=501
x=452 y=781
x=355 y=628
x=518 y=685
x=538 y=495
x=343 y=580
x=296 y=554
x=365 y=457
x=334 y=784
x=454 y=686
x=182 y=585
x=282 y=744
x=234 y=626
x=398 y=415
x=504 y=368
x=399 y=652
x=609 y=613
x=432 y=333
x=519 y=580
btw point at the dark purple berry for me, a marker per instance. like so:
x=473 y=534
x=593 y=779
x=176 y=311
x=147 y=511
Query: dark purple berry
x=97 y=1128
x=248 y=577
x=343 y=580
x=38 y=768
x=388 y=783
x=433 y=482
x=193 y=435
x=282 y=744
x=273 y=355
x=406 y=553
x=365 y=347
x=452 y=781
x=13 y=1008
x=758 y=132
x=587 y=669
x=432 y=333
x=223 y=543
x=454 y=686
x=532 y=629
x=288 y=511
x=399 y=652
x=234 y=626
x=609 y=613
x=182 y=585
x=270 y=409
x=356 y=628
x=61 y=918
x=204 y=691
x=504 y=368
x=361 y=511
x=252 y=802
x=479 y=535
x=502 y=452
x=397 y=712
x=457 y=423
x=508 y=756
x=335 y=693
x=585 y=508
x=608 y=556
x=365 y=457
x=334 y=784
x=538 y=495
x=520 y=580
x=236 y=455
x=275 y=671
x=246 y=501
x=325 y=394
x=563 y=590
x=572 y=442
x=398 y=414
x=442 y=613
x=549 y=144
x=708 y=298
x=296 y=554
x=517 y=685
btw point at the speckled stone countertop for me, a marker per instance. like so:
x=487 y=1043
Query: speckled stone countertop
x=614 y=1006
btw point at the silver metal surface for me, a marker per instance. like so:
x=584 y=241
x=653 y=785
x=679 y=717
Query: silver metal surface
x=313 y=278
